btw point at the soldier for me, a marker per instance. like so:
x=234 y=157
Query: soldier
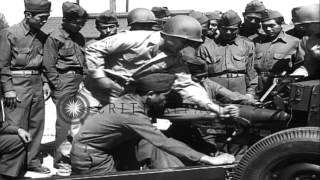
x=64 y=61
x=275 y=51
x=252 y=16
x=136 y=53
x=23 y=87
x=13 y=150
x=162 y=14
x=230 y=57
x=301 y=21
x=107 y=24
x=102 y=133
x=309 y=48
x=141 y=19
x=199 y=73
x=214 y=18
x=203 y=20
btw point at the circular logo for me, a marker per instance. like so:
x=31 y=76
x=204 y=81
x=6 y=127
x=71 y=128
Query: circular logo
x=73 y=109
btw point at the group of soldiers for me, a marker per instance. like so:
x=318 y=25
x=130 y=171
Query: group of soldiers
x=202 y=57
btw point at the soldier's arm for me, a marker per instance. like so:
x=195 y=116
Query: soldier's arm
x=50 y=58
x=143 y=127
x=5 y=61
x=251 y=75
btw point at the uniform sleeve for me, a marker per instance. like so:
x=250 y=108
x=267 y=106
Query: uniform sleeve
x=6 y=128
x=97 y=52
x=221 y=91
x=251 y=74
x=5 y=61
x=50 y=58
x=142 y=126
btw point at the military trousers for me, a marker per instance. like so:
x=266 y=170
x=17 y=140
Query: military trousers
x=13 y=156
x=237 y=84
x=68 y=86
x=29 y=113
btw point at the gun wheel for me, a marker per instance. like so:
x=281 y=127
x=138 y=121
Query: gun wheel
x=292 y=154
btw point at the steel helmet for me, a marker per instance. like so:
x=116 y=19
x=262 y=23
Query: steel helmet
x=141 y=15
x=183 y=26
x=306 y=14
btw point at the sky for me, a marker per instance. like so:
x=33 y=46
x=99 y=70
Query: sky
x=13 y=9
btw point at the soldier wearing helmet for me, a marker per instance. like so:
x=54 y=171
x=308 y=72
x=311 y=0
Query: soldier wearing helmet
x=275 y=51
x=252 y=16
x=136 y=53
x=302 y=18
x=116 y=61
x=230 y=57
x=141 y=19
x=309 y=46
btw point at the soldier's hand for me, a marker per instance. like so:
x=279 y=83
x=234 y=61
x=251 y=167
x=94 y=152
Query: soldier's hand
x=218 y=160
x=230 y=111
x=46 y=91
x=10 y=99
x=24 y=135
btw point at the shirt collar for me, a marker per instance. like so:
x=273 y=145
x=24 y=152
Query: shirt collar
x=281 y=38
x=64 y=32
x=235 y=41
x=25 y=27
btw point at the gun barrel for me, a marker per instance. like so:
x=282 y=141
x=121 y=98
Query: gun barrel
x=254 y=114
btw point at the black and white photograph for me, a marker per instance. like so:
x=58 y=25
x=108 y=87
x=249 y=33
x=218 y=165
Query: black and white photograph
x=160 y=89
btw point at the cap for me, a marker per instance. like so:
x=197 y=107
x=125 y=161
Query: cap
x=199 y=16
x=107 y=17
x=197 y=67
x=255 y=6
x=230 y=18
x=157 y=82
x=270 y=14
x=306 y=14
x=215 y=15
x=72 y=11
x=160 y=12
x=37 y=6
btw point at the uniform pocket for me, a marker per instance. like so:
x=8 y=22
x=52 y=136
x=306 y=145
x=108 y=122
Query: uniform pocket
x=67 y=52
x=239 y=62
x=22 y=55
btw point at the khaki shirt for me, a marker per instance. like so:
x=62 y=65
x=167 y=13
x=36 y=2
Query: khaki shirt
x=20 y=50
x=278 y=55
x=132 y=53
x=63 y=52
x=237 y=56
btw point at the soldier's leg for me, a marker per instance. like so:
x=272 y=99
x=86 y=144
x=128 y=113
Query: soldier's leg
x=13 y=156
x=68 y=88
x=36 y=128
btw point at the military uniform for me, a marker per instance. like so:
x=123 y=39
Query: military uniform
x=254 y=9
x=105 y=18
x=275 y=54
x=134 y=53
x=274 y=57
x=22 y=53
x=64 y=61
x=230 y=65
x=309 y=53
x=13 y=152
x=230 y=59
x=124 y=123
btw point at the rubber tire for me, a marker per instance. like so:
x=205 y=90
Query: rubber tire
x=283 y=146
